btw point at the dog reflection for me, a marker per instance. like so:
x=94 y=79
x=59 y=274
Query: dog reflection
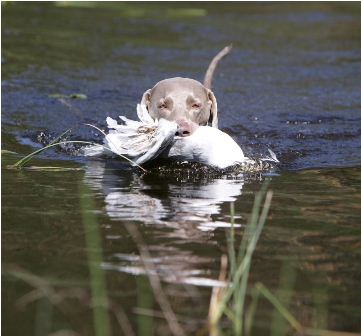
x=187 y=208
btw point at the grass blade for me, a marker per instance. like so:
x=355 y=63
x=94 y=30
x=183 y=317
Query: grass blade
x=238 y=287
x=95 y=258
x=252 y=221
x=55 y=142
x=230 y=242
x=217 y=294
x=27 y=158
x=251 y=312
x=23 y=161
x=280 y=307
x=284 y=294
x=240 y=294
x=54 y=169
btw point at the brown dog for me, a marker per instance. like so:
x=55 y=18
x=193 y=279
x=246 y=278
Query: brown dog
x=185 y=101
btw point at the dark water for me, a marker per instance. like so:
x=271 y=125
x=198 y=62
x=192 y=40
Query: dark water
x=291 y=83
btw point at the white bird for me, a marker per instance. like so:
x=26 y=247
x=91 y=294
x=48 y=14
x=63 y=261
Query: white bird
x=140 y=140
x=147 y=139
x=206 y=145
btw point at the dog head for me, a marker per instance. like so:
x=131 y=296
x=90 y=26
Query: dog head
x=184 y=101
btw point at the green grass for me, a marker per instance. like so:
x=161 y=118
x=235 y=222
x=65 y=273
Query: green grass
x=228 y=302
x=20 y=164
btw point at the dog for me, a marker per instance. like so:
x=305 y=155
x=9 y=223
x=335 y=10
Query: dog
x=185 y=101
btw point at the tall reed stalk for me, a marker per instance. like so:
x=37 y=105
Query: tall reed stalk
x=229 y=301
x=95 y=258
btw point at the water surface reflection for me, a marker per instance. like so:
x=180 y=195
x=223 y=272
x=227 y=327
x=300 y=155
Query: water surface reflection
x=191 y=211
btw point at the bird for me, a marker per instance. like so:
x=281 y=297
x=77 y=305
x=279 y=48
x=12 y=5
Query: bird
x=147 y=139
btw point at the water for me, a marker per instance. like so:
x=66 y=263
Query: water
x=291 y=83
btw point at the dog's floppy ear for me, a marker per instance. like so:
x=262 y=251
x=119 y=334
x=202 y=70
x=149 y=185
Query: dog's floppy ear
x=213 y=115
x=146 y=98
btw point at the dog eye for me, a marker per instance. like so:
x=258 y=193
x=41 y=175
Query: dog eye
x=162 y=106
x=196 y=106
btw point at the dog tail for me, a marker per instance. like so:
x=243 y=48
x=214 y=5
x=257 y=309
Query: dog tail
x=209 y=74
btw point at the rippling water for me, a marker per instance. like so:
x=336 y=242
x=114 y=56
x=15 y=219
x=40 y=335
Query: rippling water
x=291 y=84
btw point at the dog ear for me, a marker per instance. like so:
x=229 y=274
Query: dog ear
x=146 y=98
x=213 y=113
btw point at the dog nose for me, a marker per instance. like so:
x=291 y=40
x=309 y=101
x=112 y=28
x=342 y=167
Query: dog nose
x=184 y=128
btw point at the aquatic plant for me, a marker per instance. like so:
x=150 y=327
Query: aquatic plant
x=97 y=300
x=58 y=141
x=229 y=300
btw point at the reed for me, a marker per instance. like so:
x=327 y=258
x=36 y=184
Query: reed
x=99 y=297
x=19 y=164
x=69 y=298
x=230 y=301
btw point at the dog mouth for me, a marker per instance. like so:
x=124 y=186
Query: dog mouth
x=183 y=133
x=185 y=129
